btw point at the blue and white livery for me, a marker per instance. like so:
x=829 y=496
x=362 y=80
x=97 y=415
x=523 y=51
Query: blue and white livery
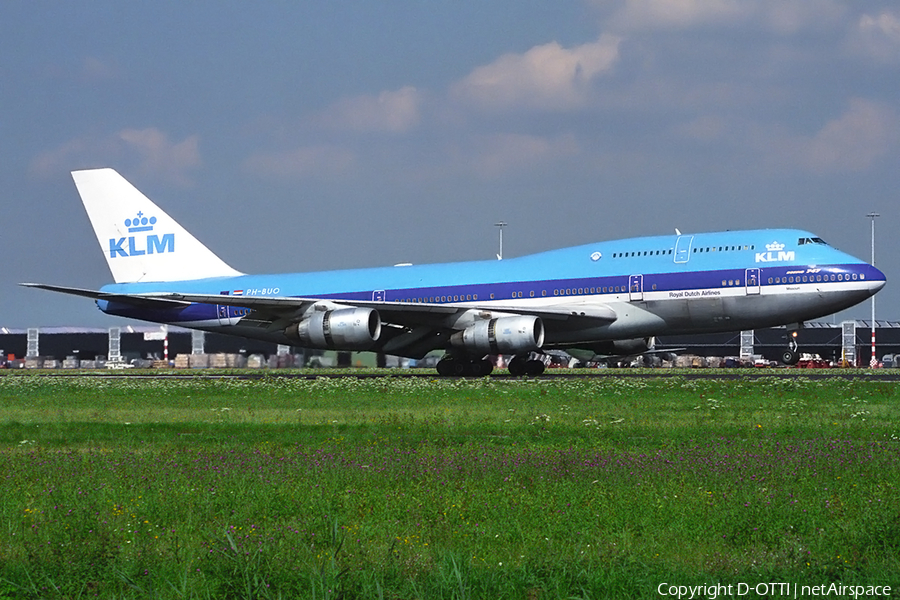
x=608 y=297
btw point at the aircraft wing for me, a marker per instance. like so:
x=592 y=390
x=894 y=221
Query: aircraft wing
x=401 y=313
x=413 y=329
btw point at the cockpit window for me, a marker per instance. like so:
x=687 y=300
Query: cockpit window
x=815 y=240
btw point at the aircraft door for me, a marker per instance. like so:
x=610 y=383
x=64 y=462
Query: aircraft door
x=222 y=313
x=752 y=276
x=636 y=287
x=683 y=248
x=378 y=296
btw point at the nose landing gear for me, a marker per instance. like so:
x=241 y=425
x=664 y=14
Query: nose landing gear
x=791 y=355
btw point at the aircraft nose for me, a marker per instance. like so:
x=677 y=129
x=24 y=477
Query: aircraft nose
x=877 y=279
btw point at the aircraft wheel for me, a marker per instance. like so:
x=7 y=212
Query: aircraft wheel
x=482 y=368
x=445 y=366
x=790 y=357
x=534 y=367
x=517 y=367
x=460 y=368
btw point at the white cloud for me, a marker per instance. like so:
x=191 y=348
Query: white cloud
x=781 y=16
x=307 y=161
x=158 y=155
x=547 y=77
x=790 y=16
x=706 y=128
x=495 y=155
x=877 y=37
x=854 y=142
x=94 y=70
x=676 y=14
x=147 y=150
x=390 y=111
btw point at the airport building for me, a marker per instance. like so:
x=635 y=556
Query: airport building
x=92 y=347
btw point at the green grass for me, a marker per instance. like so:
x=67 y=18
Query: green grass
x=440 y=488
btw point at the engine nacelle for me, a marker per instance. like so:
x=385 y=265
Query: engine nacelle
x=342 y=329
x=506 y=335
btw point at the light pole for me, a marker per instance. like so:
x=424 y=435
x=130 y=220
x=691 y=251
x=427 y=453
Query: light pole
x=500 y=225
x=873 y=215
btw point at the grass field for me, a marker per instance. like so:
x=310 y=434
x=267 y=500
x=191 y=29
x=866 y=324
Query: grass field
x=441 y=488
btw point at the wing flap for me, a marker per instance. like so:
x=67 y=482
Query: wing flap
x=397 y=310
x=600 y=312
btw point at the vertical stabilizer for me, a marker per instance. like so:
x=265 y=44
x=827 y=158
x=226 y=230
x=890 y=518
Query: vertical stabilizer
x=139 y=240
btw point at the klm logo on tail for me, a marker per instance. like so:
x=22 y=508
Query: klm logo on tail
x=152 y=243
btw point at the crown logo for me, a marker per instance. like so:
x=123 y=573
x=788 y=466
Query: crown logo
x=140 y=223
x=774 y=247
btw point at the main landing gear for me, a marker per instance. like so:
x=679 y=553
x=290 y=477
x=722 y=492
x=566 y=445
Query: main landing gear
x=522 y=365
x=459 y=366
x=463 y=367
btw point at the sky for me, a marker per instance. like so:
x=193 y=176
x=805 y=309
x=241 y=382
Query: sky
x=304 y=136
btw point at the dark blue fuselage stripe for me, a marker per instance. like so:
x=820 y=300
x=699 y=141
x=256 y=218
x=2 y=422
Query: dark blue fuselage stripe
x=652 y=282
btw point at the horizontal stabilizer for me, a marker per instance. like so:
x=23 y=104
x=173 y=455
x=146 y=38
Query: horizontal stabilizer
x=133 y=300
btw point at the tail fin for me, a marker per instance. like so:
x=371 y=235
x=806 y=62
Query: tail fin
x=139 y=240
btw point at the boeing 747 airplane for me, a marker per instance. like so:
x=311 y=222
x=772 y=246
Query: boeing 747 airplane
x=606 y=297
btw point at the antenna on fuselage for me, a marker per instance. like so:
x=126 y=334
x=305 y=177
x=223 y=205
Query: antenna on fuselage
x=677 y=232
x=500 y=225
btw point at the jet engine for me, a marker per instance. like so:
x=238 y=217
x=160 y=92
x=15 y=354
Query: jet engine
x=342 y=329
x=505 y=335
